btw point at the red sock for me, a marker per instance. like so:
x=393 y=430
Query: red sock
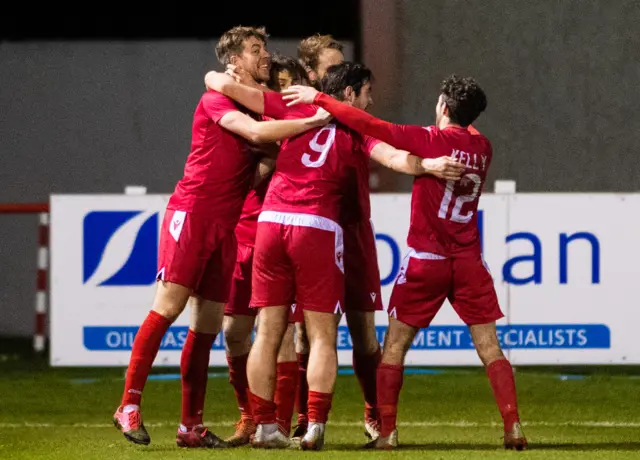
x=144 y=351
x=365 y=367
x=303 y=388
x=286 y=383
x=238 y=380
x=389 y=385
x=194 y=368
x=500 y=375
x=319 y=406
x=264 y=412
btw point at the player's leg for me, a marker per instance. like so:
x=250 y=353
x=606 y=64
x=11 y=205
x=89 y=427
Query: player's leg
x=366 y=358
x=390 y=378
x=363 y=299
x=502 y=381
x=238 y=326
x=317 y=254
x=322 y=329
x=237 y=333
x=273 y=292
x=420 y=290
x=210 y=297
x=261 y=373
x=204 y=327
x=286 y=380
x=178 y=273
x=302 y=354
x=475 y=300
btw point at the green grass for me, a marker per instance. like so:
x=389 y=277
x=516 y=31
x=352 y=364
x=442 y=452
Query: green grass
x=43 y=414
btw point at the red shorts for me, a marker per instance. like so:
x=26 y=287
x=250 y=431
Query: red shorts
x=241 y=284
x=296 y=315
x=196 y=253
x=362 y=275
x=426 y=280
x=298 y=259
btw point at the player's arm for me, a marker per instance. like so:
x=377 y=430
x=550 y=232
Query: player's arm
x=404 y=137
x=251 y=98
x=404 y=162
x=260 y=132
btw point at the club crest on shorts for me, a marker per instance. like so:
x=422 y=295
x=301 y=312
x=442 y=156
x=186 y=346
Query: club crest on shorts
x=177 y=222
x=402 y=276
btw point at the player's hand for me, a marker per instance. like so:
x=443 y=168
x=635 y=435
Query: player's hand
x=240 y=75
x=298 y=94
x=443 y=167
x=321 y=117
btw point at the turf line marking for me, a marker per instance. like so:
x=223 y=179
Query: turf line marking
x=452 y=424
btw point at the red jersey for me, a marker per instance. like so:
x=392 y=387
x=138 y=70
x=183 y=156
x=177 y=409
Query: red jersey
x=312 y=168
x=219 y=169
x=443 y=213
x=248 y=224
x=357 y=201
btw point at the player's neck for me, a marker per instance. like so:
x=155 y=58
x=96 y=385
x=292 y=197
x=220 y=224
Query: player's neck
x=448 y=124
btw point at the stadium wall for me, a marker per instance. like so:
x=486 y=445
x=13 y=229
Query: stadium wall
x=561 y=79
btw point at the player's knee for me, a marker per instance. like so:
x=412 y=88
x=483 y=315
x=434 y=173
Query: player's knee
x=236 y=343
x=168 y=311
x=363 y=333
x=489 y=353
x=365 y=344
x=324 y=345
x=269 y=340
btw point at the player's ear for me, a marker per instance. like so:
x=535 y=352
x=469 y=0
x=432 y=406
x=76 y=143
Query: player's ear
x=233 y=59
x=349 y=94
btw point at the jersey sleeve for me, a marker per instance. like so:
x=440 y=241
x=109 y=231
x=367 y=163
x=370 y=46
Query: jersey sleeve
x=217 y=105
x=405 y=137
x=368 y=143
x=274 y=106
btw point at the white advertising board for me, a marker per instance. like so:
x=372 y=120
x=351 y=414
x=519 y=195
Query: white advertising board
x=560 y=262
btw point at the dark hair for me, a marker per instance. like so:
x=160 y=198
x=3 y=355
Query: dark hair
x=232 y=41
x=280 y=63
x=341 y=76
x=464 y=98
x=310 y=48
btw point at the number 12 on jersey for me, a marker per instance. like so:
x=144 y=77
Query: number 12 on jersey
x=456 y=212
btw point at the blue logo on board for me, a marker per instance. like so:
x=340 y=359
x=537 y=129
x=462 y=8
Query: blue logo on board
x=120 y=248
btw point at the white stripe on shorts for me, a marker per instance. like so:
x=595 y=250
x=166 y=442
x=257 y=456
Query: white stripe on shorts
x=309 y=220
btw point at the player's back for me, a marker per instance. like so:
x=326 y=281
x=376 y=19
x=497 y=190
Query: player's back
x=444 y=214
x=219 y=169
x=312 y=169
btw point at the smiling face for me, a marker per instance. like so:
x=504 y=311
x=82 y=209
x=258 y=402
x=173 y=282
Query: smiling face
x=254 y=59
x=246 y=48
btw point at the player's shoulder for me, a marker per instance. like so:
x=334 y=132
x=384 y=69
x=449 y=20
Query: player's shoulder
x=305 y=109
x=214 y=97
x=480 y=138
x=346 y=135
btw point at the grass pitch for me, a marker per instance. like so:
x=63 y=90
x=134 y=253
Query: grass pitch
x=66 y=414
